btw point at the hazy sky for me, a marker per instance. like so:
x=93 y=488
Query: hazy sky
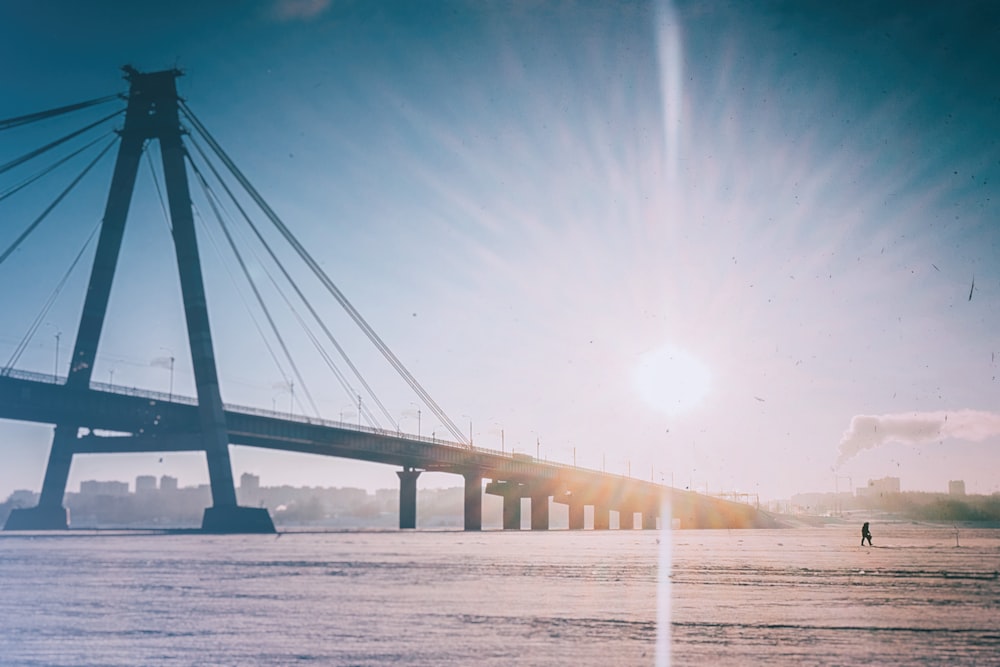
x=740 y=246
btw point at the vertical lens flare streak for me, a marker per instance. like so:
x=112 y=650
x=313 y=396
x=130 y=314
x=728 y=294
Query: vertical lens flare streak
x=663 y=592
x=668 y=42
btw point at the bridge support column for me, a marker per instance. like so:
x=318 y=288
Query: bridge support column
x=236 y=519
x=50 y=513
x=602 y=517
x=626 y=518
x=408 y=498
x=575 y=515
x=649 y=516
x=473 y=501
x=540 y=510
x=511 y=494
x=512 y=511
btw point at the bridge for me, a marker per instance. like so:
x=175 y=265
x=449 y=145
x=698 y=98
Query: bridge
x=91 y=417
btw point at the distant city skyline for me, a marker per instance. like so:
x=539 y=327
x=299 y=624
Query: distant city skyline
x=728 y=247
x=249 y=481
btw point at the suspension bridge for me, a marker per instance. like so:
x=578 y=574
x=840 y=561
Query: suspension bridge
x=92 y=417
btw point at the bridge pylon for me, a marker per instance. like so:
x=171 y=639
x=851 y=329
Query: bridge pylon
x=151 y=114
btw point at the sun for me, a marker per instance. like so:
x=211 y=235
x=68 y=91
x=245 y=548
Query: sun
x=671 y=380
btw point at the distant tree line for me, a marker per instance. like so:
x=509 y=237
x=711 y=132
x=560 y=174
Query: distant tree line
x=939 y=507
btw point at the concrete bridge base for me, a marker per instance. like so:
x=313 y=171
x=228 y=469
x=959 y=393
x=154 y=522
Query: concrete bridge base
x=540 y=511
x=602 y=517
x=473 y=501
x=38 y=518
x=408 y=498
x=234 y=519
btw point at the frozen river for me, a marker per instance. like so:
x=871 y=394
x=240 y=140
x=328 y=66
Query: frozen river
x=783 y=597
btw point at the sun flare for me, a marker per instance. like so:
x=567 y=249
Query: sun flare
x=671 y=380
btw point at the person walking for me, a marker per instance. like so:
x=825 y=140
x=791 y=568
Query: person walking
x=866 y=535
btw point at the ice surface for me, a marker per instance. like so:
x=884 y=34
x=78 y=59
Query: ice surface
x=791 y=597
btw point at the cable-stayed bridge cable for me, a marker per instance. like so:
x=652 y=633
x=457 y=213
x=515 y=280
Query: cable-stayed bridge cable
x=159 y=191
x=30 y=228
x=47 y=147
x=260 y=331
x=47 y=170
x=324 y=279
x=22 y=346
x=293 y=284
x=51 y=113
x=211 y=197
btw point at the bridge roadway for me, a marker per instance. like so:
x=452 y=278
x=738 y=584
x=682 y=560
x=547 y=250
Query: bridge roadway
x=120 y=420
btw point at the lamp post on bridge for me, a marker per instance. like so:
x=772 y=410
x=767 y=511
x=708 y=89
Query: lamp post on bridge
x=282 y=387
x=170 y=392
x=470 y=429
x=418 y=416
x=55 y=372
x=502 y=448
x=168 y=363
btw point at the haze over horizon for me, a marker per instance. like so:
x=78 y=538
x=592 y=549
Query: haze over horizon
x=730 y=247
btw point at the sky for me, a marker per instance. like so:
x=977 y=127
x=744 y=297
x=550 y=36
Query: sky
x=732 y=247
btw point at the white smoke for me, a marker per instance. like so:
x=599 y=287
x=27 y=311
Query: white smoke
x=914 y=428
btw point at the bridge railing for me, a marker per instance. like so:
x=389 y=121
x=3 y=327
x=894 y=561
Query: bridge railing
x=50 y=378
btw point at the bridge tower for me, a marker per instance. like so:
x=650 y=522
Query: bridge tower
x=151 y=114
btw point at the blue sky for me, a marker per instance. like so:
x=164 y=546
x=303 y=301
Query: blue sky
x=714 y=243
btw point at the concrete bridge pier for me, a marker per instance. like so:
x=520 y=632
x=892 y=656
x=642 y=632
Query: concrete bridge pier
x=512 y=511
x=602 y=517
x=575 y=515
x=511 y=493
x=649 y=516
x=626 y=518
x=540 y=510
x=408 y=498
x=473 y=500
x=236 y=519
x=49 y=514
x=38 y=518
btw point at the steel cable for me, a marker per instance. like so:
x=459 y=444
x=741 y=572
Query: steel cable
x=294 y=285
x=51 y=113
x=324 y=279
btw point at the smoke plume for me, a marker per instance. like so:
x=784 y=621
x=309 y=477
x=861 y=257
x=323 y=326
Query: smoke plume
x=914 y=428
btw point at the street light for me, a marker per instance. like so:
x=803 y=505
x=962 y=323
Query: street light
x=418 y=416
x=282 y=387
x=168 y=363
x=55 y=374
x=470 y=429
x=170 y=394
